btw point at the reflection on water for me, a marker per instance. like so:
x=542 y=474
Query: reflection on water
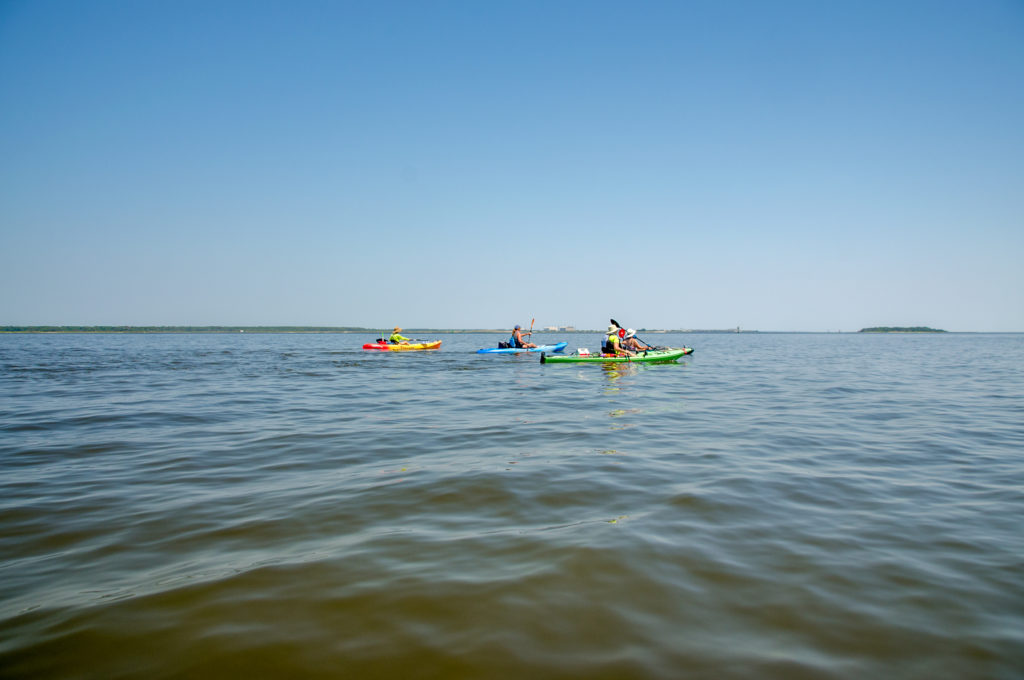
x=285 y=505
x=614 y=374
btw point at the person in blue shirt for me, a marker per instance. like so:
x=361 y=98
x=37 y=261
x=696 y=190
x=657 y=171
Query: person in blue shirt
x=517 y=339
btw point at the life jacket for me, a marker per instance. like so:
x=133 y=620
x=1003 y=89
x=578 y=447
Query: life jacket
x=512 y=342
x=610 y=345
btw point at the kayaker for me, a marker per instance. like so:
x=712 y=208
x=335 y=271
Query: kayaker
x=606 y=346
x=633 y=343
x=397 y=339
x=611 y=343
x=517 y=339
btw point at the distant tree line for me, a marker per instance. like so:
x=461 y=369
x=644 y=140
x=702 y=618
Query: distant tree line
x=901 y=329
x=183 y=329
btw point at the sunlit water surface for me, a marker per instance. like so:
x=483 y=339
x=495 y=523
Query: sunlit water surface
x=287 y=505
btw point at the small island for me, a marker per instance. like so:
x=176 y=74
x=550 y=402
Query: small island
x=901 y=329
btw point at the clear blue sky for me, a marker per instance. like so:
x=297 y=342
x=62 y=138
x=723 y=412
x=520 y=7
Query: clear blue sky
x=797 y=166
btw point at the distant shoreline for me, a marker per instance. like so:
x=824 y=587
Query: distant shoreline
x=141 y=330
x=901 y=329
x=167 y=330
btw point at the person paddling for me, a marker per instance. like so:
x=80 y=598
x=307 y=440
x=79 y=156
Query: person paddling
x=607 y=347
x=611 y=343
x=397 y=339
x=517 y=339
x=633 y=343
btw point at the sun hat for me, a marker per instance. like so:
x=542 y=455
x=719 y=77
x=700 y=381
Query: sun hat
x=630 y=333
x=397 y=329
x=612 y=330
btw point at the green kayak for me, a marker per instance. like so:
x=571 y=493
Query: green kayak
x=649 y=356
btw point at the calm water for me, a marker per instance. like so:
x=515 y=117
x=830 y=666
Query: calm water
x=774 y=506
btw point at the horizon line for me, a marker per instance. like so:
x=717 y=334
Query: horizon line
x=129 y=328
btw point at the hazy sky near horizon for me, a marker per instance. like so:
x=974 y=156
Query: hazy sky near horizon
x=800 y=166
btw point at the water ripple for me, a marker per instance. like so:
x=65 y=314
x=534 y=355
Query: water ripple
x=287 y=505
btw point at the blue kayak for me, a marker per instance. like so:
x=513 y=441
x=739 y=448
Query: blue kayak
x=516 y=350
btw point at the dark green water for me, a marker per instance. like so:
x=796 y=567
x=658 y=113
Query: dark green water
x=774 y=506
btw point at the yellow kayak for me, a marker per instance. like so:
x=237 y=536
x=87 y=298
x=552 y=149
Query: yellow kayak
x=405 y=347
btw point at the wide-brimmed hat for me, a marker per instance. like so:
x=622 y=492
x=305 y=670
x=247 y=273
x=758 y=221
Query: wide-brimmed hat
x=630 y=333
x=397 y=329
x=612 y=330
